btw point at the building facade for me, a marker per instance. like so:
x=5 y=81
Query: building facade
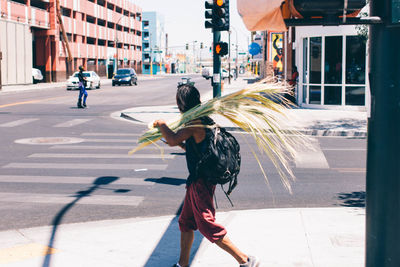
x=332 y=64
x=154 y=43
x=100 y=34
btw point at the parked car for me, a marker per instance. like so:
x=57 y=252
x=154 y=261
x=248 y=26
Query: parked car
x=36 y=75
x=93 y=80
x=125 y=76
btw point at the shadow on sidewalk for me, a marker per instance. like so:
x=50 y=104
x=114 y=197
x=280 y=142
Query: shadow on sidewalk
x=167 y=251
x=100 y=181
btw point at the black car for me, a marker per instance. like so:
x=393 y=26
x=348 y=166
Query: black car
x=125 y=76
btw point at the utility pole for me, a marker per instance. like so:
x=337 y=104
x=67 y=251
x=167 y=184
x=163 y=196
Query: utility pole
x=383 y=157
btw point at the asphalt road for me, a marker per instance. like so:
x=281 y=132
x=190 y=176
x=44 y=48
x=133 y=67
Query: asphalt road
x=45 y=177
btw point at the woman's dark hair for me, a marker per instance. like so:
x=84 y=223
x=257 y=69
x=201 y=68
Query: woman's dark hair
x=187 y=97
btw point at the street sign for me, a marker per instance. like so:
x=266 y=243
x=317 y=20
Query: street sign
x=242 y=53
x=254 y=49
x=125 y=59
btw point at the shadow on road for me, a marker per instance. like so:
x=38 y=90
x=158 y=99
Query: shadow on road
x=101 y=181
x=167 y=180
x=353 y=199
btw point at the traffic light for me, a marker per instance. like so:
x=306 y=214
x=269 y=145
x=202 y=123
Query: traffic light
x=217 y=15
x=187 y=46
x=221 y=49
x=201 y=46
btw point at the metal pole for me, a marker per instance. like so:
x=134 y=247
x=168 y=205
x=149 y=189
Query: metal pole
x=383 y=159
x=229 y=57
x=216 y=80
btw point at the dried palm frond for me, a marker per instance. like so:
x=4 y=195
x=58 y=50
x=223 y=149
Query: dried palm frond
x=261 y=111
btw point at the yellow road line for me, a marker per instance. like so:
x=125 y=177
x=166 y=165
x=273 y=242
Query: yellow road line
x=24 y=252
x=30 y=102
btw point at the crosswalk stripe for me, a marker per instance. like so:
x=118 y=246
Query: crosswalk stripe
x=311 y=159
x=69 y=180
x=86 y=166
x=65 y=199
x=109 y=147
x=71 y=123
x=112 y=134
x=109 y=140
x=17 y=122
x=102 y=156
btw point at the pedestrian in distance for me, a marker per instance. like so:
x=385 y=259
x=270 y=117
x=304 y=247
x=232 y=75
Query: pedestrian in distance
x=198 y=210
x=82 y=88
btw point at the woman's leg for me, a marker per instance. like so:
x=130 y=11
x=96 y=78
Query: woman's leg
x=186 y=244
x=226 y=244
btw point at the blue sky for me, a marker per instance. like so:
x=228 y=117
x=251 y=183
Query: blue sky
x=184 y=21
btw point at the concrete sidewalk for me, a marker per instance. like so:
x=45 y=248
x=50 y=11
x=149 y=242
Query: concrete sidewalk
x=320 y=237
x=310 y=121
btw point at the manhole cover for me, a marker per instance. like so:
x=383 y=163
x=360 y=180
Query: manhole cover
x=49 y=141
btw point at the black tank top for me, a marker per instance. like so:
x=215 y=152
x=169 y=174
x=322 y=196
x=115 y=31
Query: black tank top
x=194 y=151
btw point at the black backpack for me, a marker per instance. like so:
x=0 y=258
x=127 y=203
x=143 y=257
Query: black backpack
x=220 y=161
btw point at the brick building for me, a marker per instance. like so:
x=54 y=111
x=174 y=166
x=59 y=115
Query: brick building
x=100 y=33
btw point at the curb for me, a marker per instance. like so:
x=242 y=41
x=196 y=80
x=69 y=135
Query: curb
x=310 y=132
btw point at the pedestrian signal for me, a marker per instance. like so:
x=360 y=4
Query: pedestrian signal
x=221 y=49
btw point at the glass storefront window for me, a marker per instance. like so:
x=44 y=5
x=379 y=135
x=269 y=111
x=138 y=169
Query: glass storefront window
x=333 y=59
x=355 y=95
x=355 y=60
x=315 y=94
x=333 y=95
x=315 y=59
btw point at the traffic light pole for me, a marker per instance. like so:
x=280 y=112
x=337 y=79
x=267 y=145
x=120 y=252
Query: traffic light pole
x=383 y=160
x=216 y=80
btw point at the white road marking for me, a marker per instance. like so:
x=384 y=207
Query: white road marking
x=113 y=147
x=112 y=134
x=69 y=180
x=17 y=122
x=114 y=200
x=102 y=156
x=309 y=159
x=85 y=166
x=133 y=140
x=71 y=123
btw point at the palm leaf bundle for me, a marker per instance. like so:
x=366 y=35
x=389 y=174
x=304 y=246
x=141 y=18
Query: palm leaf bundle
x=261 y=111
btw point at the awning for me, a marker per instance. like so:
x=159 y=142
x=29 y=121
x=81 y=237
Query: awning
x=261 y=15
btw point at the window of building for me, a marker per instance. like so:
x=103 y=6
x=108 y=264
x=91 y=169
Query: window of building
x=90 y=19
x=101 y=3
x=91 y=41
x=101 y=22
x=110 y=6
x=38 y=4
x=334 y=69
x=65 y=12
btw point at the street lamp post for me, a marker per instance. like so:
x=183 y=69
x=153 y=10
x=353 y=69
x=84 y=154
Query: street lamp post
x=116 y=42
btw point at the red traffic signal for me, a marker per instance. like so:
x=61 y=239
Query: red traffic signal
x=221 y=49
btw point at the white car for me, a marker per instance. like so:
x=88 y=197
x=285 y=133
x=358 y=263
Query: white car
x=93 y=80
x=36 y=75
x=225 y=74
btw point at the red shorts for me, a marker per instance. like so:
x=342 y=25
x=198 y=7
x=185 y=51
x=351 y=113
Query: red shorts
x=198 y=211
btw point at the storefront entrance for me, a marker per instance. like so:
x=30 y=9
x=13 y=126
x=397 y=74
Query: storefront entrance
x=332 y=71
